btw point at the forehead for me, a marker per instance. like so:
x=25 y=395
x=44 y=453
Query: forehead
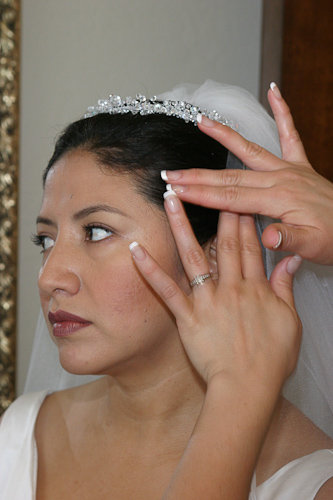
x=79 y=171
x=77 y=180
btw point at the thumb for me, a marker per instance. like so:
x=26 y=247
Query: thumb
x=286 y=238
x=281 y=279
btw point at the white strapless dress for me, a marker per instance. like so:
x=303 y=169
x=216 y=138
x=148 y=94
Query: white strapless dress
x=299 y=480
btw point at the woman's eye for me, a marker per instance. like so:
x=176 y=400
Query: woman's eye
x=45 y=242
x=97 y=233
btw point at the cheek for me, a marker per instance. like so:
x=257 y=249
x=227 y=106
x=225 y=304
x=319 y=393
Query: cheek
x=120 y=291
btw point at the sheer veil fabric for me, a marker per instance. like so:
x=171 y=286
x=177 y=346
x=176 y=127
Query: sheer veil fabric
x=311 y=386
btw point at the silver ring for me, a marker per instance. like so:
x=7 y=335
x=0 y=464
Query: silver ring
x=200 y=279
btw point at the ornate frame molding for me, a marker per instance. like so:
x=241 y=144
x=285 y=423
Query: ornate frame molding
x=9 y=156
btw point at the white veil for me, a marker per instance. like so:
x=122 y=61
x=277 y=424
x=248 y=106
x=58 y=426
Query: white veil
x=311 y=385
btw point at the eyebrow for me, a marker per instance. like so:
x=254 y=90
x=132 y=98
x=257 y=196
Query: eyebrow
x=46 y=221
x=81 y=214
x=97 y=208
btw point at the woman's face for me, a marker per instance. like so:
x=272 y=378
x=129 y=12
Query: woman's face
x=87 y=221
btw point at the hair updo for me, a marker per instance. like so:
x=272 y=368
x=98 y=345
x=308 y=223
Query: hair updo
x=142 y=146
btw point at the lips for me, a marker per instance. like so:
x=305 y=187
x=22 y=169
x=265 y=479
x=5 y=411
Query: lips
x=65 y=323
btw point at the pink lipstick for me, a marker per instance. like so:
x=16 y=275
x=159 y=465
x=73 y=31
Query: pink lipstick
x=65 y=323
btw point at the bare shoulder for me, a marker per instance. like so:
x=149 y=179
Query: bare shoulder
x=291 y=437
x=61 y=406
x=326 y=491
x=309 y=437
x=300 y=432
x=63 y=419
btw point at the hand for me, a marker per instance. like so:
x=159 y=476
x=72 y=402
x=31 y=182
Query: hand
x=241 y=326
x=288 y=189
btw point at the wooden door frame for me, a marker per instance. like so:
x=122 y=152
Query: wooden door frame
x=272 y=47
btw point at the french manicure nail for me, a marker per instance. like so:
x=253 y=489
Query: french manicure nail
x=276 y=91
x=278 y=241
x=177 y=189
x=172 y=201
x=137 y=251
x=206 y=122
x=170 y=175
x=164 y=175
x=294 y=264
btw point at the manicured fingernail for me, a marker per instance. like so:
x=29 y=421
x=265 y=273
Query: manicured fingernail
x=177 y=189
x=137 y=251
x=278 y=240
x=206 y=122
x=172 y=201
x=294 y=264
x=276 y=91
x=164 y=175
x=171 y=175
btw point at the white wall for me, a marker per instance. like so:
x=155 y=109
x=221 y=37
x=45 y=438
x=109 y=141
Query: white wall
x=76 y=51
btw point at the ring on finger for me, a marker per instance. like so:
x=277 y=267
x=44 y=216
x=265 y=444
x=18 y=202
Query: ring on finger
x=200 y=279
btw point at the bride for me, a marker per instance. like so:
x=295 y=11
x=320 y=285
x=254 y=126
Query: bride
x=191 y=343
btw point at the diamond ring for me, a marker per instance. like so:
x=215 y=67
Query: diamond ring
x=200 y=279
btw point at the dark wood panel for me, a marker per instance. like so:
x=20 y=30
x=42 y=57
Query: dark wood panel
x=272 y=47
x=307 y=76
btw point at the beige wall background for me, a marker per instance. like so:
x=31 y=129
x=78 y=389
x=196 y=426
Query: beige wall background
x=77 y=51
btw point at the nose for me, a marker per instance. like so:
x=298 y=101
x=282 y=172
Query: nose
x=60 y=273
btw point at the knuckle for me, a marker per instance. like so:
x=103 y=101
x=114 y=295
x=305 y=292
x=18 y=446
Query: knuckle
x=229 y=245
x=196 y=174
x=250 y=248
x=169 y=291
x=150 y=268
x=253 y=150
x=229 y=177
x=231 y=193
x=194 y=256
x=293 y=136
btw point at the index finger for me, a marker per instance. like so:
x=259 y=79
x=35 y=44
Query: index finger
x=219 y=178
x=291 y=144
x=254 y=156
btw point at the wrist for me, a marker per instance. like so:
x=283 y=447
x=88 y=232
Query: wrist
x=251 y=396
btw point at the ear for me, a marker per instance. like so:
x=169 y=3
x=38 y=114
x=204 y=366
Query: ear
x=210 y=252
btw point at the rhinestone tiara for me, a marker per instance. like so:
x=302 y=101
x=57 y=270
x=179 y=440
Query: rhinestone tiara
x=115 y=105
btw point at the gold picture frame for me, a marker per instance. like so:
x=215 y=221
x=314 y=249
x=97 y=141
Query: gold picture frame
x=9 y=156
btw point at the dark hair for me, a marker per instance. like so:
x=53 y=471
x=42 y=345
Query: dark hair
x=142 y=146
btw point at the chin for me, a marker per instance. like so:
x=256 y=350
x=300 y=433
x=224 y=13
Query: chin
x=78 y=362
x=74 y=361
